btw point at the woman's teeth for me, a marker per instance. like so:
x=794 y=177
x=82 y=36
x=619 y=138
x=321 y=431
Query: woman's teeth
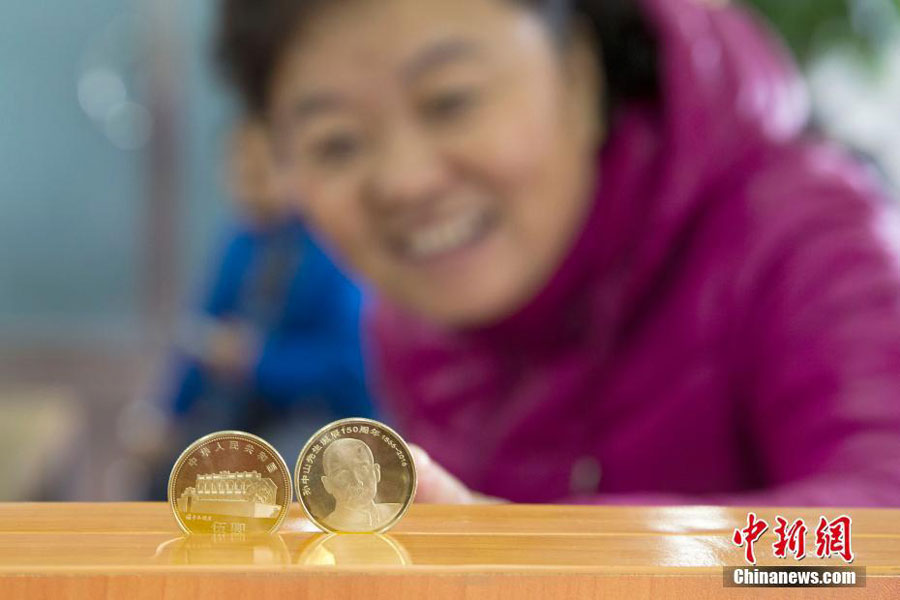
x=449 y=235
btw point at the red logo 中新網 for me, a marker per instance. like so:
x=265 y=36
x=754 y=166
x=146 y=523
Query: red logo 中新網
x=832 y=537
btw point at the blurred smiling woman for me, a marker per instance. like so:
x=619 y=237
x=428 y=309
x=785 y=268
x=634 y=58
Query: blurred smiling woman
x=610 y=265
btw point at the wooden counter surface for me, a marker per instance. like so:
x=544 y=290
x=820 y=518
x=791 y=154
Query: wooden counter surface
x=135 y=551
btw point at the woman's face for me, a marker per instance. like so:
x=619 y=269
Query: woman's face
x=444 y=148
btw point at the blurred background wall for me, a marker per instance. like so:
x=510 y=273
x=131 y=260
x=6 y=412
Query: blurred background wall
x=111 y=138
x=112 y=135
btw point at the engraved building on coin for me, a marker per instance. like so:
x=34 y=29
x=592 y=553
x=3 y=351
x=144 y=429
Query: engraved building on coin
x=245 y=494
x=230 y=483
x=355 y=475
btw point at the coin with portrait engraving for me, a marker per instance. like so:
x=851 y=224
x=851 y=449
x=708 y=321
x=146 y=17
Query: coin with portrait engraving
x=355 y=475
x=230 y=482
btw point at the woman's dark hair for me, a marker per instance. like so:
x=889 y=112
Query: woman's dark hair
x=253 y=34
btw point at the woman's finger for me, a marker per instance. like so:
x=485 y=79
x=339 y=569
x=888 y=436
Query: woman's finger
x=435 y=484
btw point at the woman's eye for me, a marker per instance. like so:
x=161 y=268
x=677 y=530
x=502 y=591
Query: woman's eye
x=449 y=105
x=336 y=149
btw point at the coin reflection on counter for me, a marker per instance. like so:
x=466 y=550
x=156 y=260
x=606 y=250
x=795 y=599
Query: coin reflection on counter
x=214 y=550
x=354 y=551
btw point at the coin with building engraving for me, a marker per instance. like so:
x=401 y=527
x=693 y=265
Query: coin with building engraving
x=355 y=475
x=230 y=482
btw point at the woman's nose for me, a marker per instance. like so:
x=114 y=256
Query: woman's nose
x=409 y=170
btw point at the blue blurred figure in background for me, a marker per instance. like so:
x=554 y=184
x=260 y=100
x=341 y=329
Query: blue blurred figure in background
x=276 y=349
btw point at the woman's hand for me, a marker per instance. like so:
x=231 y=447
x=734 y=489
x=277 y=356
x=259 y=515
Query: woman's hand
x=437 y=486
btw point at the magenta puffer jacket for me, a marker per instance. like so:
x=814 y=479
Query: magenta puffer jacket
x=726 y=329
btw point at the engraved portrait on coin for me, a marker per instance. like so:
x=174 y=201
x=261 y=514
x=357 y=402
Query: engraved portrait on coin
x=229 y=483
x=355 y=475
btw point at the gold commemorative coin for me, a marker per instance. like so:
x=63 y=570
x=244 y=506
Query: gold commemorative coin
x=355 y=475
x=230 y=482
